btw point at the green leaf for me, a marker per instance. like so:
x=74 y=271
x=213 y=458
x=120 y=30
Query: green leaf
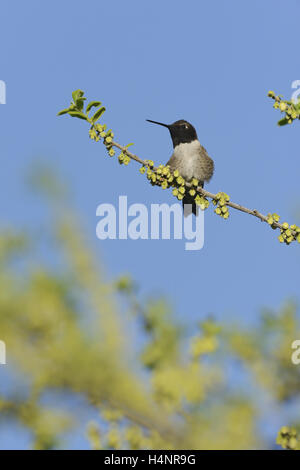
x=128 y=145
x=80 y=103
x=282 y=122
x=98 y=114
x=77 y=94
x=77 y=114
x=92 y=104
x=63 y=111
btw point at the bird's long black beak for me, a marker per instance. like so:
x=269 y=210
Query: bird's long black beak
x=159 y=123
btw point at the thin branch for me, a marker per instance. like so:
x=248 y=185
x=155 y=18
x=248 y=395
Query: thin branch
x=221 y=200
x=205 y=193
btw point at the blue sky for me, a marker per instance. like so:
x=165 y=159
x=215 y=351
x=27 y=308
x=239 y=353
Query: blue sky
x=211 y=63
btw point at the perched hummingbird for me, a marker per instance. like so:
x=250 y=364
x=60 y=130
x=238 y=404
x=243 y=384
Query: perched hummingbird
x=189 y=157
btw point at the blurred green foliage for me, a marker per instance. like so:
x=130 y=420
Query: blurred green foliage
x=71 y=328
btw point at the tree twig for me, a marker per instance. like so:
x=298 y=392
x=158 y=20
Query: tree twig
x=208 y=194
x=162 y=175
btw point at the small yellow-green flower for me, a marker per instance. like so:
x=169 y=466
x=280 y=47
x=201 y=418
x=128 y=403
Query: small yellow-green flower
x=92 y=133
x=282 y=106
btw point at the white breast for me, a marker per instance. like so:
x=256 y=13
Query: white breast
x=188 y=156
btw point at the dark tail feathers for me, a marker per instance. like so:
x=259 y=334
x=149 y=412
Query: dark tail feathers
x=189 y=206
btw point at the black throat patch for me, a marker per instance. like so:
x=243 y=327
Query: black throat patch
x=182 y=132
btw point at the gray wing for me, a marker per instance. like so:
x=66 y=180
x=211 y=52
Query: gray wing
x=207 y=165
x=172 y=163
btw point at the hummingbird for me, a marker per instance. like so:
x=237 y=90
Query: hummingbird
x=189 y=157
